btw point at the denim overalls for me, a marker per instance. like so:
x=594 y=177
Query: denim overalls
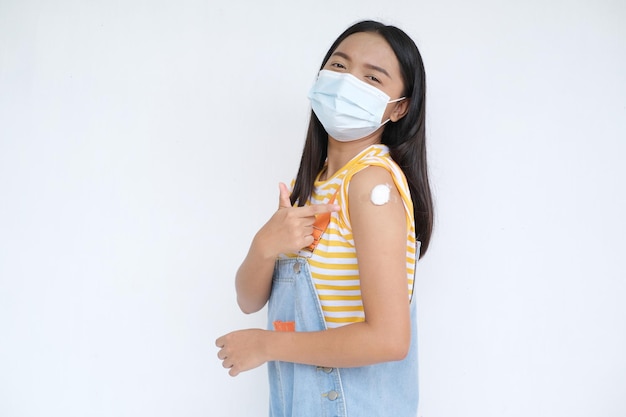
x=388 y=389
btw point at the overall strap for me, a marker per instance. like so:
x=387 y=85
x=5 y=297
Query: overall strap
x=320 y=225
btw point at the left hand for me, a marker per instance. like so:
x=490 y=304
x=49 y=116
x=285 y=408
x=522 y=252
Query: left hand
x=242 y=350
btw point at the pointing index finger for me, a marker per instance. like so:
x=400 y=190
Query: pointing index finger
x=319 y=209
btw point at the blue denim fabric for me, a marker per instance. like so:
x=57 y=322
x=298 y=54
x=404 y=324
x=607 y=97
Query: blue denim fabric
x=296 y=390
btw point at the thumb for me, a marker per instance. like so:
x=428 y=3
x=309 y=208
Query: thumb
x=283 y=200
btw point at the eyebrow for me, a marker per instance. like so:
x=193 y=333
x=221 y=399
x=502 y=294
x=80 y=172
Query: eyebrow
x=370 y=66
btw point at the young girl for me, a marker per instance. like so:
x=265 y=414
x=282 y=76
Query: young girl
x=337 y=260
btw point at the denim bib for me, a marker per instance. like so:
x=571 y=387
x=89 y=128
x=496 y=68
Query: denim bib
x=297 y=390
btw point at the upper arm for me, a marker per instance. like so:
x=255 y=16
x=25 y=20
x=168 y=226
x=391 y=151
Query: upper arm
x=380 y=238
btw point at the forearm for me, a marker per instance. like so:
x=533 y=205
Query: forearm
x=353 y=345
x=253 y=281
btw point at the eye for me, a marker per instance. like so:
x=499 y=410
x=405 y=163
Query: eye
x=338 y=65
x=373 y=78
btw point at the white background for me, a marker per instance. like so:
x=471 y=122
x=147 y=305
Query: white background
x=141 y=143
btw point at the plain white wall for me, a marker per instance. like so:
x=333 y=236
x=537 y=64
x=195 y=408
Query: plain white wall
x=141 y=143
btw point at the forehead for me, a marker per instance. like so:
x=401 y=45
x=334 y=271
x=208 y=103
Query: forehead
x=369 y=48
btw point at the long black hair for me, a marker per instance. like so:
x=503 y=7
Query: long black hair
x=406 y=138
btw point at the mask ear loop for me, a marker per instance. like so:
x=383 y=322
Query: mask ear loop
x=392 y=101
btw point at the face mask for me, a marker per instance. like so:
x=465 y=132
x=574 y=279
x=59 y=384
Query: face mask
x=348 y=108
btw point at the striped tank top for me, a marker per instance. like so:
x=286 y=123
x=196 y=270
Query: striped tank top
x=333 y=264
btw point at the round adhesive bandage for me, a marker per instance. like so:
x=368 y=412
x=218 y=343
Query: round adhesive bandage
x=380 y=194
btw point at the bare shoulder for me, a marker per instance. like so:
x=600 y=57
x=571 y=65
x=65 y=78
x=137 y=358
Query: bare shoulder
x=371 y=173
x=373 y=185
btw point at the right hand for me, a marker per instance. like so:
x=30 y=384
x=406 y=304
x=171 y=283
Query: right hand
x=290 y=228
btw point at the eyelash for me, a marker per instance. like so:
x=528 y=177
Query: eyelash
x=341 y=66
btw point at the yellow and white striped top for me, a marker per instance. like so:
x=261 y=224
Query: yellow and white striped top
x=333 y=264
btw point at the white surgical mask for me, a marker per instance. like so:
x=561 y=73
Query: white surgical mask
x=348 y=108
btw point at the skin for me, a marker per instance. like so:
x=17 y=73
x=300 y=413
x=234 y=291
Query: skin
x=380 y=239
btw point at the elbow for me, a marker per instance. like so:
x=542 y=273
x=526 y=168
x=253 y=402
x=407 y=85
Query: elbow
x=398 y=351
x=245 y=310
x=391 y=343
x=248 y=307
x=397 y=346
